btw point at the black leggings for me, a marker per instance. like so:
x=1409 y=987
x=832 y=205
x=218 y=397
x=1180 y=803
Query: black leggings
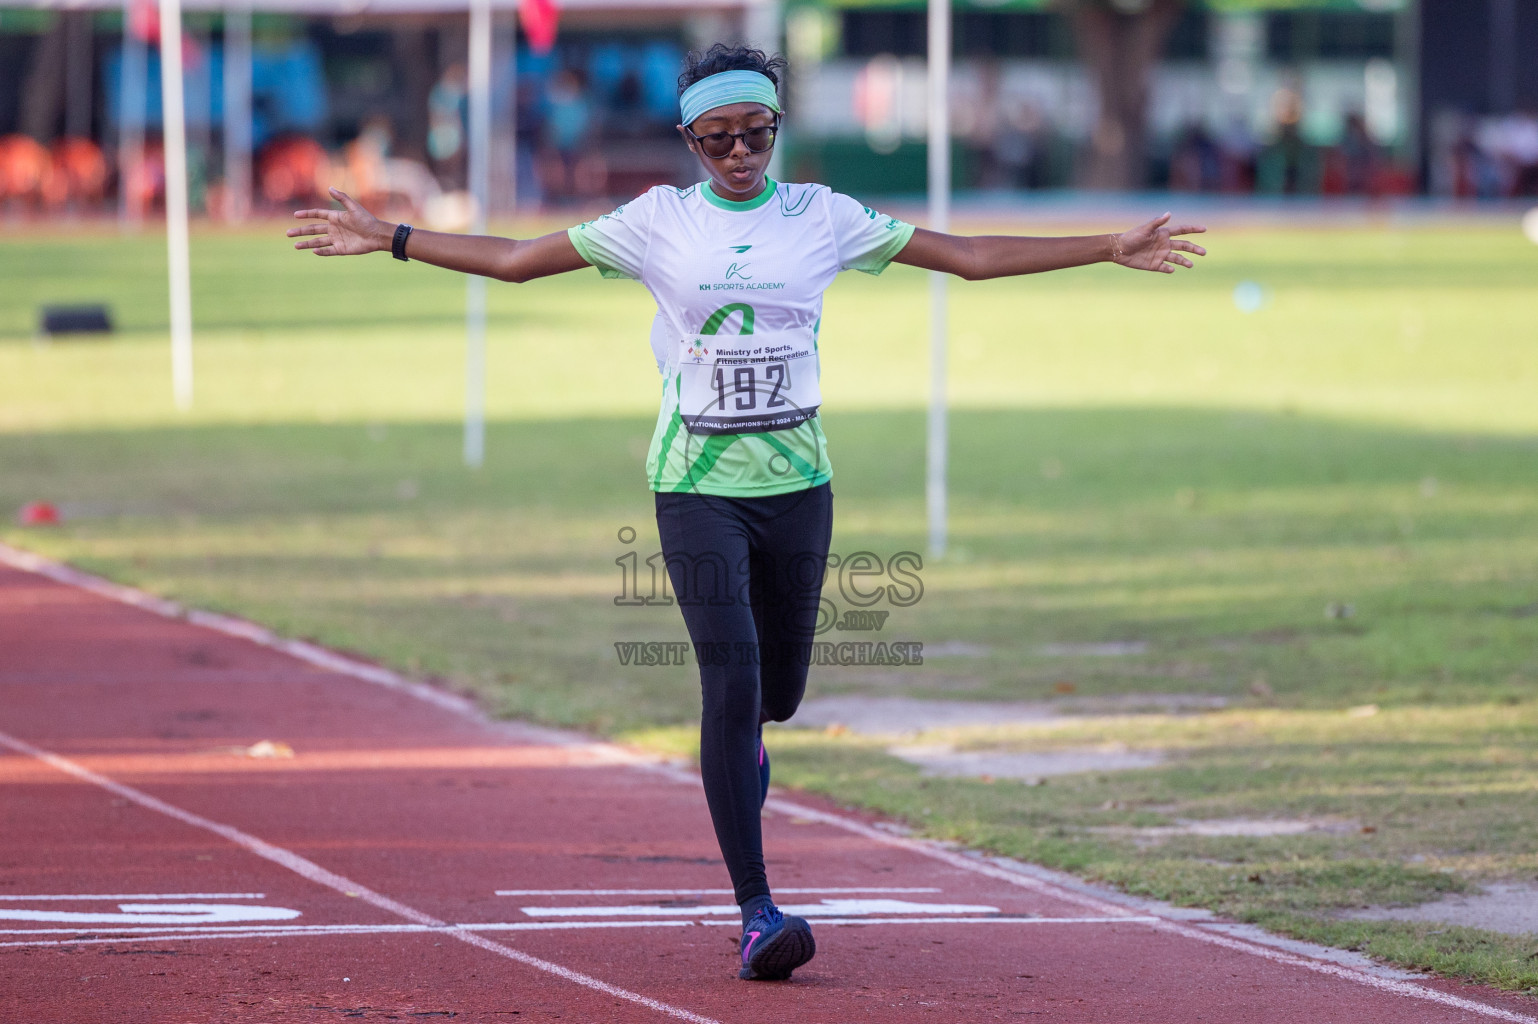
x=747 y=573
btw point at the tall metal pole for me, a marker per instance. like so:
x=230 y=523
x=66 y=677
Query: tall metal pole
x=479 y=173
x=939 y=220
x=763 y=27
x=175 y=136
x=237 y=112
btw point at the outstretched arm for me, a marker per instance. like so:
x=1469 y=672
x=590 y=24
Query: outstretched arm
x=352 y=231
x=1151 y=246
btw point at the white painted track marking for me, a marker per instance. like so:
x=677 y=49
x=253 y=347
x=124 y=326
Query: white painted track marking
x=544 y=926
x=1002 y=919
x=314 y=872
x=95 y=937
x=230 y=626
x=139 y=896
x=156 y=913
x=827 y=908
x=322 y=930
x=710 y=892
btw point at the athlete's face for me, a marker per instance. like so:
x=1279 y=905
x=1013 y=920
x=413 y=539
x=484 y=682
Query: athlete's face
x=738 y=175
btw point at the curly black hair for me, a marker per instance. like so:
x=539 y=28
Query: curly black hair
x=721 y=57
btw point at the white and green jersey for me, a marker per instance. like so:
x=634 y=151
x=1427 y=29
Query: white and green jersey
x=739 y=301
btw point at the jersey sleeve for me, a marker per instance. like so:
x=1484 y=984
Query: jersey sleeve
x=616 y=242
x=865 y=240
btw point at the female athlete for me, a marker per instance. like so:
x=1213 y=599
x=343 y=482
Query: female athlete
x=738 y=265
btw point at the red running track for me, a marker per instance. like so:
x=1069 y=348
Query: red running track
x=411 y=861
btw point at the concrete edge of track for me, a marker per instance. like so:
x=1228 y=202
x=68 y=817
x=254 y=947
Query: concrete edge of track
x=1201 y=925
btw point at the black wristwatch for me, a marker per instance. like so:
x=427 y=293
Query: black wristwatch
x=398 y=244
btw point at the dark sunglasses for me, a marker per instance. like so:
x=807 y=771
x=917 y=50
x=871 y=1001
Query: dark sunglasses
x=719 y=144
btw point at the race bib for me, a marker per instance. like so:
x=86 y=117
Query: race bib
x=747 y=383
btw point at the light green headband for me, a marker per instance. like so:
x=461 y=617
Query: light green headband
x=739 y=86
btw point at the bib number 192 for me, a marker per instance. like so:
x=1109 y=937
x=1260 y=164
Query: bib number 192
x=744 y=388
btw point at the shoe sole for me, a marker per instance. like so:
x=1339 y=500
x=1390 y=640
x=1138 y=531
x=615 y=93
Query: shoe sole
x=787 y=950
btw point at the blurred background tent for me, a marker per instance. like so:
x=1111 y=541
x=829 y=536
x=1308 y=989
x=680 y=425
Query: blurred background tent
x=1236 y=96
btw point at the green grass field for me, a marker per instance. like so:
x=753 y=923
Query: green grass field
x=1134 y=460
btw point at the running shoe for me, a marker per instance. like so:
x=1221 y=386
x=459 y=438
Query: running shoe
x=774 y=944
x=763 y=769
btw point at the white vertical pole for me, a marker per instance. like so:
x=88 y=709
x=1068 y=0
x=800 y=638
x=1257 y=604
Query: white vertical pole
x=475 y=287
x=939 y=220
x=175 y=135
x=763 y=27
x=237 y=112
x=133 y=90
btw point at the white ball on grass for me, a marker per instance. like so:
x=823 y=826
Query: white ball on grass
x=1530 y=225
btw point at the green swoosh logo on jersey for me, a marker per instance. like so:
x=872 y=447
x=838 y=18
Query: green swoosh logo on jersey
x=739 y=248
x=719 y=317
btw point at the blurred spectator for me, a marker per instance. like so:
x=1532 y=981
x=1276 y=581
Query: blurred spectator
x=25 y=170
x=627 y=111
x=1525 y=152
x=147 y=179
x=1352 y=167
x=1281 y=165
x=1511 y=142
x=1359 y=155
x=79 y=174
x=293 y=169
x=364 y=161
x=1238 y=151
x=1021 y=146
x=529 y=129
x=1485 y=158
x=447 y=110
x=1197 y=164
x=396 y=185
x=573 y=170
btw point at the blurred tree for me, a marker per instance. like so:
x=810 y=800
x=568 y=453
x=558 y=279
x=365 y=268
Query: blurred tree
x=1121 y=41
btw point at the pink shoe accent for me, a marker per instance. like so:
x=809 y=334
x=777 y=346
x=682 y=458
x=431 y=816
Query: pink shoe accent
x=749 y=947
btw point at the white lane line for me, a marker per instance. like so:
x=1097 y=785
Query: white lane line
x=712 y=892
x=535 y=926
x=185 y=937
x=1001 y=919
x=314 y=872
x=321 y=657
x=156 y=913
x=140 y=934
x=122 y=935
x=144 y=896
x=827 y=908
x=265 y=929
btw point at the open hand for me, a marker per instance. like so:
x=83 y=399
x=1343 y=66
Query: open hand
x=1153 y=246
x=351 y=231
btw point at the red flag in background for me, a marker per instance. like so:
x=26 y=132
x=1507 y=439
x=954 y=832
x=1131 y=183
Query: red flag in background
x=144 y=20
x=539 y=19
x=144 y=23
